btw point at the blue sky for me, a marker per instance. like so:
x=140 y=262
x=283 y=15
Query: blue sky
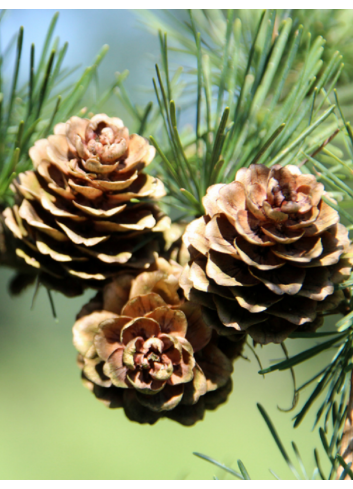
x=86 y=31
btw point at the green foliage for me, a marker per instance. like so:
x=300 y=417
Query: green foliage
x=334 y=379
x=335 y=26
x=254 y=101
x=331 y=448
x=222 y=466
x=29 y=112
x=332 y=24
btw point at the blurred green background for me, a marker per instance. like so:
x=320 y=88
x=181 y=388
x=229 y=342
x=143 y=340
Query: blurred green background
x=51 y=426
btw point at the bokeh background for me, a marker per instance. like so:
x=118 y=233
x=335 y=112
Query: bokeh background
x=51 y=426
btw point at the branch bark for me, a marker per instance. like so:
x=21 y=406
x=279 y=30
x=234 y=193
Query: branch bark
x=346 y=450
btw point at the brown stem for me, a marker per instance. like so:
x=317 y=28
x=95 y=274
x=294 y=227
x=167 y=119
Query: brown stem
x=346 y=450
x=325 y=143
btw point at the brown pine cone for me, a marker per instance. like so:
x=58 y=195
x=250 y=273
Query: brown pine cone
x=267 y=255
x=82 y=212
x=150 y=354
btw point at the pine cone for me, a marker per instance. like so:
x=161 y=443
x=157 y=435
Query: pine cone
x=149 y=354
x=267 y=255
x=74 y=215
